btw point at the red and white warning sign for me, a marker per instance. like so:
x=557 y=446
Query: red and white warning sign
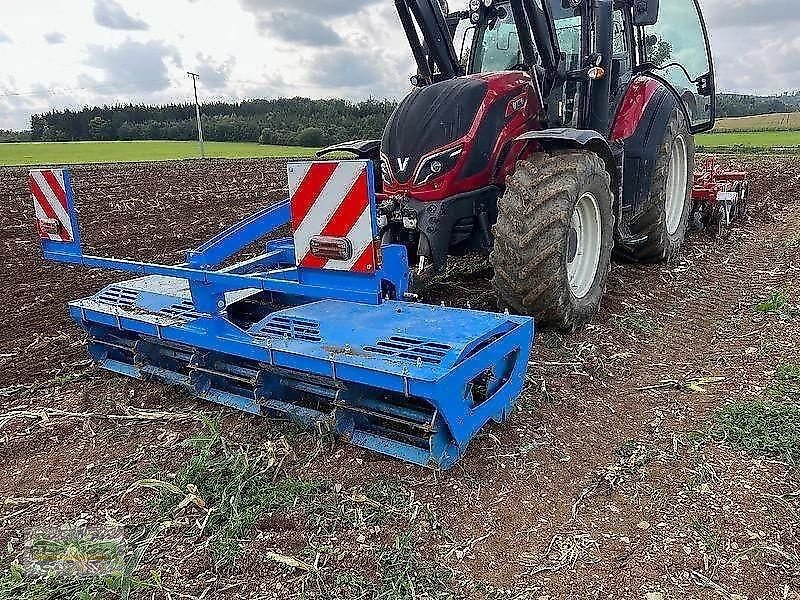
x=51 y=206
x=332 y=216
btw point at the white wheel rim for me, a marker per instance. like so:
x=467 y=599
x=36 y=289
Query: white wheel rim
x=583 y=245
x=677 y=178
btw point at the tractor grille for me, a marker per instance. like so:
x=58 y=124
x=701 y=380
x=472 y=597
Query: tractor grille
x=430 y=353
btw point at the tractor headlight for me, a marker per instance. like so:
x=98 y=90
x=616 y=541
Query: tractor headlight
x=437 y=165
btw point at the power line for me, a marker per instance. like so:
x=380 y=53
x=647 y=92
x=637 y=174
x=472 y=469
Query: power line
x=57 y=91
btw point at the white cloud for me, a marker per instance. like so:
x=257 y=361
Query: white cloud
x=320 y=8
x=749 y=13
x=297 y=28
x=214 y=75
x=55 y=37
x=141 y=65
x=111 y=14
x=756 y=44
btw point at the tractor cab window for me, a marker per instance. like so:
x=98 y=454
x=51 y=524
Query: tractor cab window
x=620 y=41
x=498 y=46
x=462 y=40
x=677 y=48
x=568 y=31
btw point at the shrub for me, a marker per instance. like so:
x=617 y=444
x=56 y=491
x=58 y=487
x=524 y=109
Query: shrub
x=310 y=137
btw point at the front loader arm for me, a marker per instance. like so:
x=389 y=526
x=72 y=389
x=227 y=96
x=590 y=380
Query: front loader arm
x=436 y=48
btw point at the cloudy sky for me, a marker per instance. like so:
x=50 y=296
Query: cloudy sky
x=57 y=53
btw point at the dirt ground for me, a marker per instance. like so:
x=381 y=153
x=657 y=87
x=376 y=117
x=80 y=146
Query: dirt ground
x=610 y=480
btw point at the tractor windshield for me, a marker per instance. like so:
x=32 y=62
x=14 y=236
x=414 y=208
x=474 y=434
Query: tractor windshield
x=497 y=48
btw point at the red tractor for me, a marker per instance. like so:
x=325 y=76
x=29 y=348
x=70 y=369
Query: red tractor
x=552 y=135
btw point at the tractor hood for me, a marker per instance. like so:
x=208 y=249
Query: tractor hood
x=428 y=118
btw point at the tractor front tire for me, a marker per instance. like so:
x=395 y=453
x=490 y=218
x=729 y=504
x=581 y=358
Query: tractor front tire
x=662 y=218
x=554 y=237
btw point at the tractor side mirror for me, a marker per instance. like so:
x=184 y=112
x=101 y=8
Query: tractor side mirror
x=645 y=12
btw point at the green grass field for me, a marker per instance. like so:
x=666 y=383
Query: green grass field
x=750 y=140
x=758 y=133
x=66 y=153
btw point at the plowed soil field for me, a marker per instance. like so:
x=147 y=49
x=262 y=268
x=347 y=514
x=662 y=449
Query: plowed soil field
x=642 y=461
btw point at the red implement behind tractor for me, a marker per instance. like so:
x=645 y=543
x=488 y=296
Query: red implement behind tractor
x=720 y=197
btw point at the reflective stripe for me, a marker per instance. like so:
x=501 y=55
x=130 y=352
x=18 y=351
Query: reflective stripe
x=50 y=200
x=339 y=207
x=307 y=182
x=361 y=238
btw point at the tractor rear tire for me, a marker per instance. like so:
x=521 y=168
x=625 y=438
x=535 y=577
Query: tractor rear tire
x=554 y=205
x=663 y=216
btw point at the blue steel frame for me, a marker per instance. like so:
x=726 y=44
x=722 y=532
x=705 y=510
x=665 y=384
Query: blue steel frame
x=266 y=272
x=351 y=310
x=446 y=387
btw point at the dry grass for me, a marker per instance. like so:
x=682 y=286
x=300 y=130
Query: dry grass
x=771 y=122
x=225 y=487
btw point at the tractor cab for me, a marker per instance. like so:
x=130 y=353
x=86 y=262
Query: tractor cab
x=562 y=43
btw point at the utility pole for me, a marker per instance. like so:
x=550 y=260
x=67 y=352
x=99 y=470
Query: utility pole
x=195 y=77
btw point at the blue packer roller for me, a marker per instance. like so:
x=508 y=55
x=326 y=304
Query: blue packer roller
x=315 y=328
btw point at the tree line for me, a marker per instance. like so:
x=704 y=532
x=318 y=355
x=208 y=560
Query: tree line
x=7 y=135
x=283 y=121
x=745 y=105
